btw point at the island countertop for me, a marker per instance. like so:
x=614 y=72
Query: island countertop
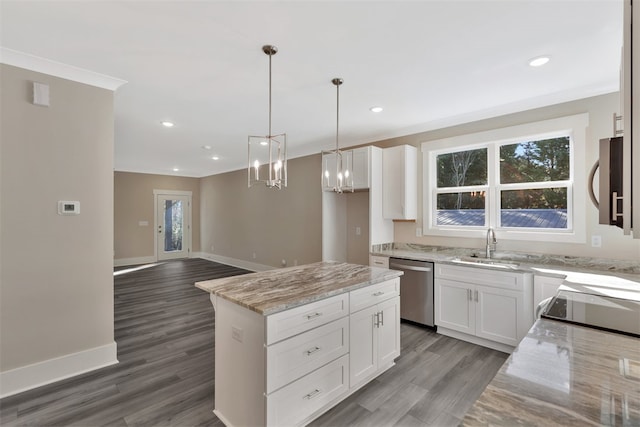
x=564 y=374
x=270 y=292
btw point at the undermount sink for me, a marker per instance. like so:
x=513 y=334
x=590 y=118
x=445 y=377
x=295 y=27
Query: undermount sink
x=486 y=262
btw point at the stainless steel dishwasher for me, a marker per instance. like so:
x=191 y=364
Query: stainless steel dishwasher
x=416 y=290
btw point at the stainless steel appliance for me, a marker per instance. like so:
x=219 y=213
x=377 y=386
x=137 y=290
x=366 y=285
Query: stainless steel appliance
x=610 y=200
x=595 y=311
x=416 y=290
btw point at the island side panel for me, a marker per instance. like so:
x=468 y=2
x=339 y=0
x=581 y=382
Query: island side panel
x=239 y=365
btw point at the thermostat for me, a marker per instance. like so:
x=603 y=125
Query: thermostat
x=66 y=207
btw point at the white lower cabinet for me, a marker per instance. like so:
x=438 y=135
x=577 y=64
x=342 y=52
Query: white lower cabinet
x=287 y=368
x=374 y=340
x=485 y=307
x=545 y=287
x=292 y=404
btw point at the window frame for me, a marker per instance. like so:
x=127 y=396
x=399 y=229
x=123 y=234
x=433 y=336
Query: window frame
x=573 y=126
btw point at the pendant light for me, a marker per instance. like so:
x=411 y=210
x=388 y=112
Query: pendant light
x=268 y=154
x=337 y=165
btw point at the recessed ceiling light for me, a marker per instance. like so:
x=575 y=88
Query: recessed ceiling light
x=376 y=109
x=176 y=169
x=206 y=147
x=539 y=61
x=215 y=158
x=167 y=124
x=264 y=143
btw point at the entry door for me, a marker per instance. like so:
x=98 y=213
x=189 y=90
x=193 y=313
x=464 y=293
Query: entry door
x=173 y=226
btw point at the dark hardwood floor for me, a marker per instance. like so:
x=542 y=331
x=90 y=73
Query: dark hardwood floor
x=165 y=336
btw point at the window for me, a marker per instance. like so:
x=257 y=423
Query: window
x=521 y=181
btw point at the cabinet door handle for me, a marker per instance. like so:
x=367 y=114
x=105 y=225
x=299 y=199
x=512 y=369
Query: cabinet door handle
x=377 y=294
x=376 y=320
x=469 y=295
x=382 y=318
x=311 y=395
x=476 y=295
x=312 y=350
x=313 y=316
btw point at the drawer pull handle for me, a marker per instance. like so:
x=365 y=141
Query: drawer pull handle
x=377 y=294
x=312 y=350
x=311 y=395
x=313 y=316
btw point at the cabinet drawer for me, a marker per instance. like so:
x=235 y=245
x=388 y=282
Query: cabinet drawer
x=300 y=319
x=292 y=404
x=481 y=276
x=291 y=359
x=378 y=261
x=370 y=295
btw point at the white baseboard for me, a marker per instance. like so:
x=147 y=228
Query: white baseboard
x=38 y=374
x=247 y=265
x=133 y=261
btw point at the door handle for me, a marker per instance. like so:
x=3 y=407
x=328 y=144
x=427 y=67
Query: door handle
x=312 y=394
x=476 y=295
x=469 y=295
x=312 y=350
x=314 y=315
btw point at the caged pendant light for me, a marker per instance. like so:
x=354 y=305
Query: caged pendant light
x=268 y=154
x=337 y=165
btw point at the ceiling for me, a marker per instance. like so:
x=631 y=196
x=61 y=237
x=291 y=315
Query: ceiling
x=429 y=64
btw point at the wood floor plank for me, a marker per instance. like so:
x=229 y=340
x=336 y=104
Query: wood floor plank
x=164 y=328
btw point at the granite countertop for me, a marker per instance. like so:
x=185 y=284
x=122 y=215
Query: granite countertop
x=564 y=374
x=574 y=270
x=269 y=292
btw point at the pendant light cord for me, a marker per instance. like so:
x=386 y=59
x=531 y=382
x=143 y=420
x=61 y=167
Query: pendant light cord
x=270 y=55
x=337 y=116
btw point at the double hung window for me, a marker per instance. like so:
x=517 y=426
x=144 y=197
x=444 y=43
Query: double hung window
x=516 y=180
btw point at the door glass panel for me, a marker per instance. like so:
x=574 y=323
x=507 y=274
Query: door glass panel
x=173 y=225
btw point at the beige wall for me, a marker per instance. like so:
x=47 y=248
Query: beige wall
x=56 y=280
x=357 y=216
x=600 y=109
x=134 y=202
x=238 y=222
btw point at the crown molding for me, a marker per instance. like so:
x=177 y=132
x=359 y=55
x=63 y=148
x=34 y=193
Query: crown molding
x=58 y=69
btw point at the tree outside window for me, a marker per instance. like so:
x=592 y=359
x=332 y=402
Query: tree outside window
x=532 y=185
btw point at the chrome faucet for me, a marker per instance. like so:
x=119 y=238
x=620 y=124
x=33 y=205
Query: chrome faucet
x=491 y=241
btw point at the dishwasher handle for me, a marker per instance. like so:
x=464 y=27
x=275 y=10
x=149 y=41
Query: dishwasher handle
x=409 y=267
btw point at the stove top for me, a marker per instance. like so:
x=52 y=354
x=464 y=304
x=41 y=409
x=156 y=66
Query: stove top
x=596 y=311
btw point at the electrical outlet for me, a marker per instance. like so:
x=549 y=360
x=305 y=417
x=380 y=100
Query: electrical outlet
x=237 y=333
x=596 y=241
x=358 y=231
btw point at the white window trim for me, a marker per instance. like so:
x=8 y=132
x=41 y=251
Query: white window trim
x=575 y=125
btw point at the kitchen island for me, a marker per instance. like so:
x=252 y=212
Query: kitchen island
x=564 y=374
x=292 y=343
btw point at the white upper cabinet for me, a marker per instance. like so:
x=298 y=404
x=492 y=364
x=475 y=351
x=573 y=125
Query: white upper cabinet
x=362 y=168
x=400 y=182
x=630 y=89
x=361 y=172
